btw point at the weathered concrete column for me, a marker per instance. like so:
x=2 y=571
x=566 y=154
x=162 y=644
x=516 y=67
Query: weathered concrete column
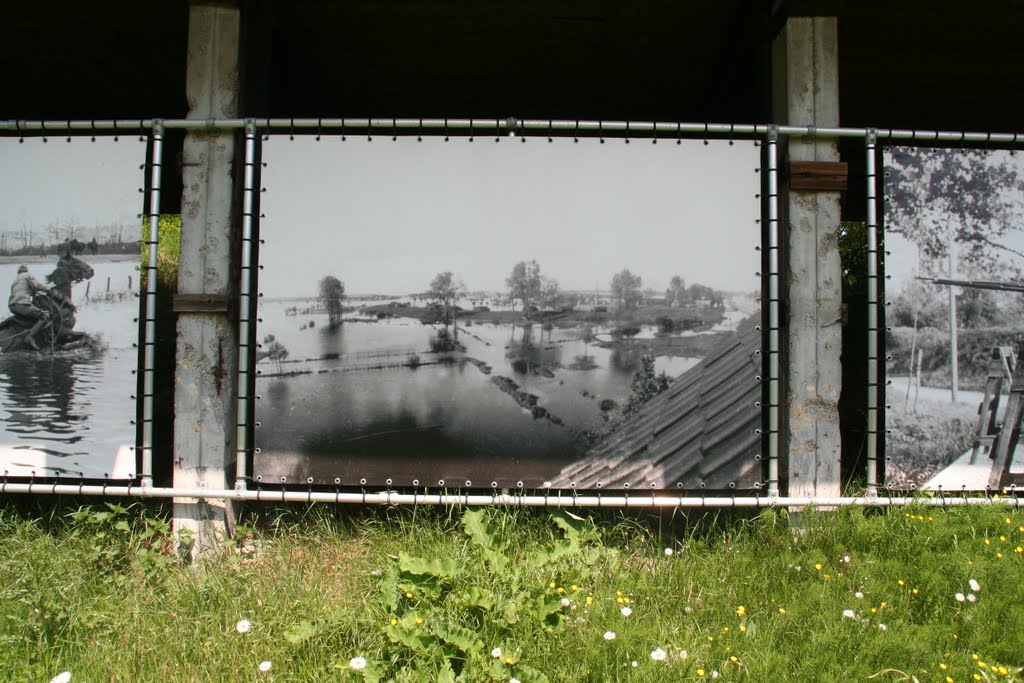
x=806 y=93
x=204 y=398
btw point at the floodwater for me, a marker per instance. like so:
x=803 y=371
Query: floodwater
x=345 y=405
x=68 y=414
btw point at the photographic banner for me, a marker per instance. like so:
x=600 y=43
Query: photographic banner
x=69 y=256
x=954 y=261
x=481 y=312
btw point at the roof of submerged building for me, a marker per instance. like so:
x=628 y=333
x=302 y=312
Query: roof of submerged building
x=703 y=431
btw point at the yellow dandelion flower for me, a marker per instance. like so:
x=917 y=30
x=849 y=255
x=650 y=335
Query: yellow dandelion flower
x=943 y=667
x=741 y=610
x=725 y=629
x=700 y=672
x=884 y=604
x=618 y=593
x=734 y=659
x=574 y=588
x=874 y=610
x=419 y=621
x=1002 y=538
x=710 y=638
x=977 y=676
x=818 y=566
x=1004 y=671
x=982 y=665
x=509 y=660
x=409 y=596
x=915 y=591
x=552 y=584
x=620 y=601
x=590 y=599
x=782 y=610
x=1019 y=549
x=999 y=555
x=743 y=629
x=1009 y=521
x=561 y=590
x=975 y=657
x=1020 y=528
x=902 y=582
x=394 y=622
x=988 y=541
x=949 y=679
x=827 y=577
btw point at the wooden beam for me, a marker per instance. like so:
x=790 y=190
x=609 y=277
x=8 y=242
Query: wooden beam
x=200 y=303
x=817 y=175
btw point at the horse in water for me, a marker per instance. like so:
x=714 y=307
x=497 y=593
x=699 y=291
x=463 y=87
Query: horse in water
x=60 y=333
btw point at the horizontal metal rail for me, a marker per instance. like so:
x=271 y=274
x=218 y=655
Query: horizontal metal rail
x=559 y=498
x=508 y=126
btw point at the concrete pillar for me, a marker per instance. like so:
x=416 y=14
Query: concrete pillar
x=204 y=398
x=806 y=93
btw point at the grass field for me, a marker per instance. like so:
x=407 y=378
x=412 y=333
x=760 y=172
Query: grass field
x=410 y=594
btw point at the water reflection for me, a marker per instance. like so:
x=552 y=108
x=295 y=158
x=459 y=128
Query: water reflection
x=40 y=393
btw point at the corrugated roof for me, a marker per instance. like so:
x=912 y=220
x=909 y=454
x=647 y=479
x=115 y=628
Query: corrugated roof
x=701 y=431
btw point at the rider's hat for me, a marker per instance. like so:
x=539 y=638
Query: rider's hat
x=23 y=268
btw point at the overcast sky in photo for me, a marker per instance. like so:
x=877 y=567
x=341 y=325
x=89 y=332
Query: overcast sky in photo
x=84 y=182
x=386 y=216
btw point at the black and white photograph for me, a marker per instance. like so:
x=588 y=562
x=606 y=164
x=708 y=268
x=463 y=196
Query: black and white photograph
x=566 y=313
x=69 y=258
x=954 y=294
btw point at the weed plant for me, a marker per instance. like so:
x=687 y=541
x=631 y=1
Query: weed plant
x=415 y=594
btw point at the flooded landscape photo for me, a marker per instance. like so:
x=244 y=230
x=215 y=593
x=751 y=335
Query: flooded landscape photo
x=506 y=313
x=69 y=221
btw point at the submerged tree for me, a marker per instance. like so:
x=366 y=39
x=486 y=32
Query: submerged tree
x=525 y=283
x=675 y=295
x=646 y=384
x=626 y=290
x=445 y=289
x=332 y=294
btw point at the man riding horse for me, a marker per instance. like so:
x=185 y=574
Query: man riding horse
x=23 y=291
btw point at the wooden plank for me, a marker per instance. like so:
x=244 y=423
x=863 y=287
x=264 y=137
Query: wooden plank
x=817 y=175
x=201 y=303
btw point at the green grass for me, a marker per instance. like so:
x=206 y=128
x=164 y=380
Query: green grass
x=95 y=592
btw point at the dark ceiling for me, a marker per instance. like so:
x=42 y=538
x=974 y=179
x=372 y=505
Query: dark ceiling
x=917 y=63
